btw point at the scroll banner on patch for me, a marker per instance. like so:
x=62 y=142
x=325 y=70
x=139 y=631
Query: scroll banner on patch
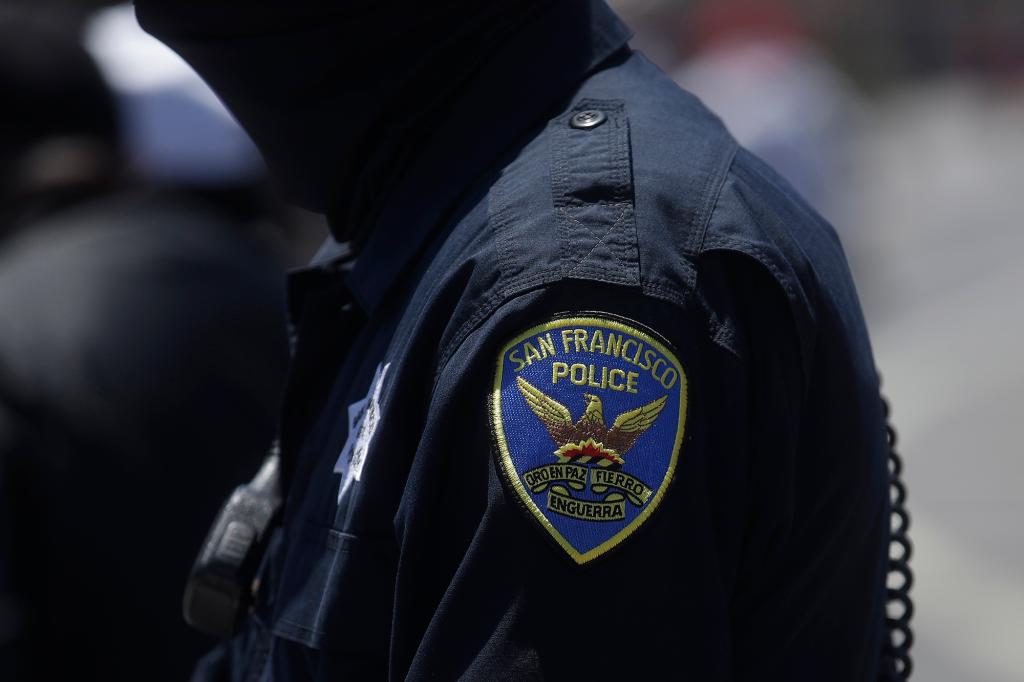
x=576 y=477
x=611 y=508
x=588 y=413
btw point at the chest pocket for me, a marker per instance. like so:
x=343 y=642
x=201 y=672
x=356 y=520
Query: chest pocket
x=336 y=592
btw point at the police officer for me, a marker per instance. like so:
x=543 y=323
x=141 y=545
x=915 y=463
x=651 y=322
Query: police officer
x=581 y=389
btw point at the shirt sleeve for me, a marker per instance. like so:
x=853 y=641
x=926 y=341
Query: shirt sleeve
x=612 y=484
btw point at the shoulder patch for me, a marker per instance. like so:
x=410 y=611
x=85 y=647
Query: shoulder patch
x=588 y=413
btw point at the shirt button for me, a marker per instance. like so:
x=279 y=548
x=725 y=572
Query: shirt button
x=585 y=120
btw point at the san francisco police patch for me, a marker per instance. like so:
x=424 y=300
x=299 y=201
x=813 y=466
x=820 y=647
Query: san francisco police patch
x=588 y=414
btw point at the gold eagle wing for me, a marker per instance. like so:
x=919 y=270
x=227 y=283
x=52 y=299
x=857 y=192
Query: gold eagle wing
x=631 y=424
x=554 y=415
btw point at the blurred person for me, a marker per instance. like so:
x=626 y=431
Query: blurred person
x=59 y=140
x=142 y=349
x=753 y=63
x=581 y=389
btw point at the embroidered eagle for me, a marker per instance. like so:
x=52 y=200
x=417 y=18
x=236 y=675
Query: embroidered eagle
x=588 y=438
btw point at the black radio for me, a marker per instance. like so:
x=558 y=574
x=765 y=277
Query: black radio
x=221 y=587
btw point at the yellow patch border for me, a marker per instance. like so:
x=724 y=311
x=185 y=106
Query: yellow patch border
x=506 y=457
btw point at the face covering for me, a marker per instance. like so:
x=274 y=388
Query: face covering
x=337 y=96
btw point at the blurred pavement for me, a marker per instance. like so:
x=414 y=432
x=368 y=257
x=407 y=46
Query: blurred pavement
x=938 y=252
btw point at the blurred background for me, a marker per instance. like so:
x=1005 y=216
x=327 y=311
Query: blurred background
x=142 y=338
x=142 y=303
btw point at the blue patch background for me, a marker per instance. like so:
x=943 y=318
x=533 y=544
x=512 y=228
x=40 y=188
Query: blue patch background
x=530 y=445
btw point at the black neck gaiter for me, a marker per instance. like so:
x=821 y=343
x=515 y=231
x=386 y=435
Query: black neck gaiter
x=338 y=97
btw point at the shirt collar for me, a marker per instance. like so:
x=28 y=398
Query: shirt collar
x=538 y=69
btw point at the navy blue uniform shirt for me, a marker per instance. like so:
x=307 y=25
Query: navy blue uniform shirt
x=593 y=400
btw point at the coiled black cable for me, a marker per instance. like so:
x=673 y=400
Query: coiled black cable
x=896 y=663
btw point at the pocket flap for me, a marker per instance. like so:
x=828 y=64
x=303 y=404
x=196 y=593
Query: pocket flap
x=336 y=593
